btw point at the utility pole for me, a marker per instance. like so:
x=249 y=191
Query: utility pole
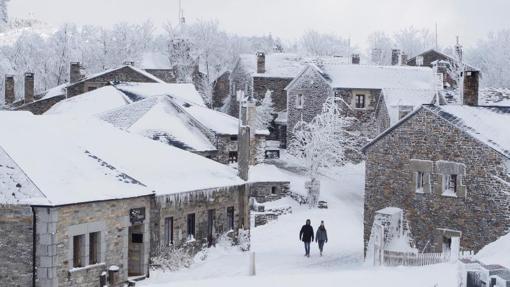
x=436 y=38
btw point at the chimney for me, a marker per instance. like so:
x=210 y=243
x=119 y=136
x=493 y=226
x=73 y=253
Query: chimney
x=403 y=59
x=10 y=95
x=243 y=152
x=247 y=144
x=74 y=72
x=249 y=115
x=470 y=89
x=355 y=59
x=29 y=87
x=261 y=62
x=395 y=57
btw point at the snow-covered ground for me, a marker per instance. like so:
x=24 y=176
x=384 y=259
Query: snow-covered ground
x=280 y=259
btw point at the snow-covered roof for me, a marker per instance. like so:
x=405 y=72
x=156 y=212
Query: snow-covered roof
x=60 y=170
x=59 y=90
x=91 y=103
x=266 y=173
x=82 y=159
x=140 y=71
x=278 y=65
x=496 y=252
x=449 y=57
x=159 y=118
x=154 y=60
x=487 y=124
x=494 y=97
x=396 y=99
x=187 y=92
x=378 y=77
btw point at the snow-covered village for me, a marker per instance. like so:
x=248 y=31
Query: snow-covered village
x=254 y=143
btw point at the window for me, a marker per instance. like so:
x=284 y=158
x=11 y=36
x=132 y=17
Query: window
x=273 y=190
x=232 y=156
x=299 y=101
x=338 y=96
x=419 y=61
x=420 y=181
x=230 y=217
x=169 y=231
x=210 y=222
x=94 y=248
x=137 y=237
x=450 y=184
x=191 y=226
x=360 y=101
x=78 y=250
x=233 y=138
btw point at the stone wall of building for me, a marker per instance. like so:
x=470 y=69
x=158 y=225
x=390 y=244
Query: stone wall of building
x=424 y=142
x=269 y=191
x=221 y=90
x=16 y=245
x=277 y=85
x=382 y=117
x=178 y=206
x=225 y=144
x=41 y=106
x=167 y=75
x=240 y=80
x=125 y=74
x=57 y=226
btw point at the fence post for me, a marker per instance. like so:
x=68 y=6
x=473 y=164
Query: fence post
x=252 y=264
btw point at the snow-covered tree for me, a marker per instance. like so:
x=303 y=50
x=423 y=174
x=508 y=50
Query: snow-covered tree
x=323 y=142
x=265 y=111
x=318 y=44
x=3 y=12
x=413 y=41
x=379 y=48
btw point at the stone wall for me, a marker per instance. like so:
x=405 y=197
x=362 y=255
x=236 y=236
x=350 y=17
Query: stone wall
x=57 y=226
x=16 y=245
x=221 y=90
x=269 y=191
x=124 y=74
x=200 y=202
x=41 y=106
x=240 y=80
x=425 y=142
x=279 y=96
x=225 y=144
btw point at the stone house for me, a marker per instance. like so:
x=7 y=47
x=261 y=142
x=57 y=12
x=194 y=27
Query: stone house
x=378 y=96
x=102 y=209
x=443 y=64
x=256 y=74
x=447 y=167
x=267 y=183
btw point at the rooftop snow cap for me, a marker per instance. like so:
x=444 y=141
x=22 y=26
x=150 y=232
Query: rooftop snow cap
x=129 y=63
x=29 y=87
x=9 y=89
x=355 y=59
x=74 y=72
x=395 y=57
x=261 y=62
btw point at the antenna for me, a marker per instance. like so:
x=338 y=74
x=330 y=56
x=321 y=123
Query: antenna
x=436 y=37
x=180 y=18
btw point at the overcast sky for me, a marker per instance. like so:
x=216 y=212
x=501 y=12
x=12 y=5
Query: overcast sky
x=288 y=19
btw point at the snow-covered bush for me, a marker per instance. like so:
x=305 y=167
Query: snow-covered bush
x=323 y=142
x=170 y=258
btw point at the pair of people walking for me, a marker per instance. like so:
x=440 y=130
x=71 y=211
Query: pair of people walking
x=307 y=236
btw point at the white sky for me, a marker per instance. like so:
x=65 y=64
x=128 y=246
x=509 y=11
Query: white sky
x=288 y=19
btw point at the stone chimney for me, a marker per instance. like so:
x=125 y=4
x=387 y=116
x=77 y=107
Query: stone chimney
x=247 y=144
x=29 y=87
x=10 y=95
x=470 y=89
x=261 y=62
x=395 y=57
x=249 y=115
x=74 y=72
x=243 y=152
x=403 y=59
x=355 y=59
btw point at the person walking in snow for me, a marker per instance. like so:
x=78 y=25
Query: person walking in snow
x=322 y=236
x=306 y=235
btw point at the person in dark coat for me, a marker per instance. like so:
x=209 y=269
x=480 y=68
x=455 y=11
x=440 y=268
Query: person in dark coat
x=322 y=236
x=306 y=235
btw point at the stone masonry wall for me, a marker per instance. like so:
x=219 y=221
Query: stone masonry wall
x=479 y=212
x=269 y=191
x=200 y=202
x=277 y=86
x=56 y=227
x=125 y=74
x=41 y=106
x=16 y=245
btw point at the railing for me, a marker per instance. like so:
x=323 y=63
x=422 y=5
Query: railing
x=393 y=258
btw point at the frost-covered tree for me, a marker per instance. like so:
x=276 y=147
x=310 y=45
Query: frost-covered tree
x=492 y=57
x=379 y=48
x=265 y=111
x=3 y=12
x=318 y=44
x=323 y=142
x=413 y=41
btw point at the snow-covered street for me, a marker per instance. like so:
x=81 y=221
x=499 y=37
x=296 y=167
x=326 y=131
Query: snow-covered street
x=279 y=253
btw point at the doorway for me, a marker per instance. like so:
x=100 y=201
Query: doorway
x=136 y=250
